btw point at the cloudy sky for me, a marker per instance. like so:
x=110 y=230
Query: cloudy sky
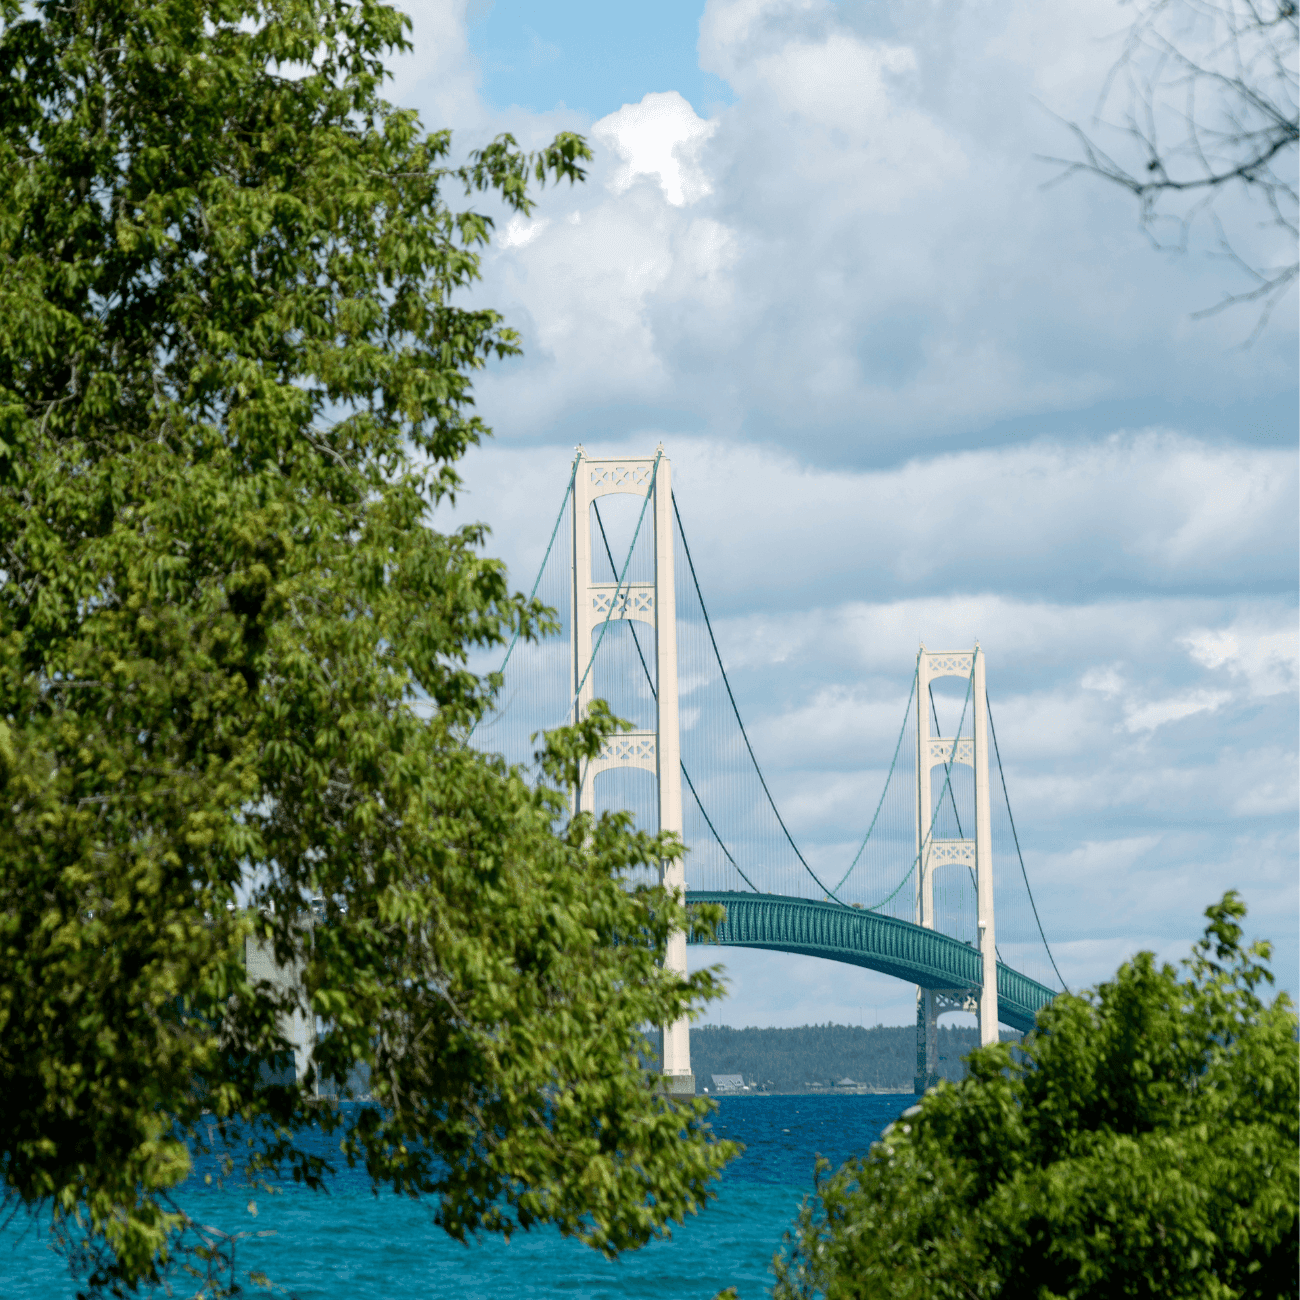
x=911 y=391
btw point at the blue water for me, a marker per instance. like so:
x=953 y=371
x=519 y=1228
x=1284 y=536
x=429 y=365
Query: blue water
x=351 y=1245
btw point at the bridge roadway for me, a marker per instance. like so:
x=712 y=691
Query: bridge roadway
x=861 y=938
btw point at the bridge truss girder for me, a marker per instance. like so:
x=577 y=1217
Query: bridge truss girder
x=857 y=937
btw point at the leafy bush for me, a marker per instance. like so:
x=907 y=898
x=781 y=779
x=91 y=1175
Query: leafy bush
x=1142 y=1141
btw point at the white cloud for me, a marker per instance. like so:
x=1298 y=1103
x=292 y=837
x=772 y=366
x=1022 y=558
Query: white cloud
x=660 y=137
x=520 y=232
x=1146 y=717
x=1270 y=787
x=997 y=519
x=731 y=25
x=438 y=74
x=831 y=720
x=842 y=94
x=858 y=256
x=1264 y=656
x=1106 y=680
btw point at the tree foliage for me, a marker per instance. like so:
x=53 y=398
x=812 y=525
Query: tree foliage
x=1202 y=102
x=234 y=385
x=1143 y=1142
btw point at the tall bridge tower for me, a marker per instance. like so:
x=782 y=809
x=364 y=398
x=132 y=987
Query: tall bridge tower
x=935 y=855
x=657 y=751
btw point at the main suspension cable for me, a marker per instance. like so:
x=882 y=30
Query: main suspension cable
x=907 y=712
x=736 y=710
x=1021 y=856
x=532 y=595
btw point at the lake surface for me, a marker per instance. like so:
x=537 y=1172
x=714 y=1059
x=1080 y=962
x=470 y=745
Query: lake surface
x=351 y=1245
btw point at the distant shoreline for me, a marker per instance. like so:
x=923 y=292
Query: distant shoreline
x=821 y=1060
x=810 y=1092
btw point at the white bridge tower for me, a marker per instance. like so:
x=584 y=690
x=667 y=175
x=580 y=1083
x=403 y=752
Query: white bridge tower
x=961 y=854
x=657 y=751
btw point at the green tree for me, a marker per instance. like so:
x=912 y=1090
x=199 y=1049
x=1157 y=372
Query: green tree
x=1142 y=1142
x=233 y=661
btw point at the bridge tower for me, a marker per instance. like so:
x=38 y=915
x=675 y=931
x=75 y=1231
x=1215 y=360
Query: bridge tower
x=657 y=751
x=963 y=854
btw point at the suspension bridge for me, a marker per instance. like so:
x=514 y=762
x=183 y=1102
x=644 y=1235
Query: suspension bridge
x=934 y=892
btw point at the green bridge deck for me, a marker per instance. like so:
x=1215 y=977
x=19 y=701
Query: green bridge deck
x=861 y=938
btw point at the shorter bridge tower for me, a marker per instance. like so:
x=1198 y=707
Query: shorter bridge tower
x=657 y=751
x=935 y=855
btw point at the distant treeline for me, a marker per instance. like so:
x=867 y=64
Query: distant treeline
x=792 y=1060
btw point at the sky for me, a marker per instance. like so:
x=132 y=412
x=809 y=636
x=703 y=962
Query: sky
x=911 y=390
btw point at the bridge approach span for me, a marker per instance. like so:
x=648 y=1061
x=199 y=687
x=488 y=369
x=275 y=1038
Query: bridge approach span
x=861 y=938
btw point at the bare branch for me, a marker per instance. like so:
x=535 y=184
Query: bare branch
x=1206 y=100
